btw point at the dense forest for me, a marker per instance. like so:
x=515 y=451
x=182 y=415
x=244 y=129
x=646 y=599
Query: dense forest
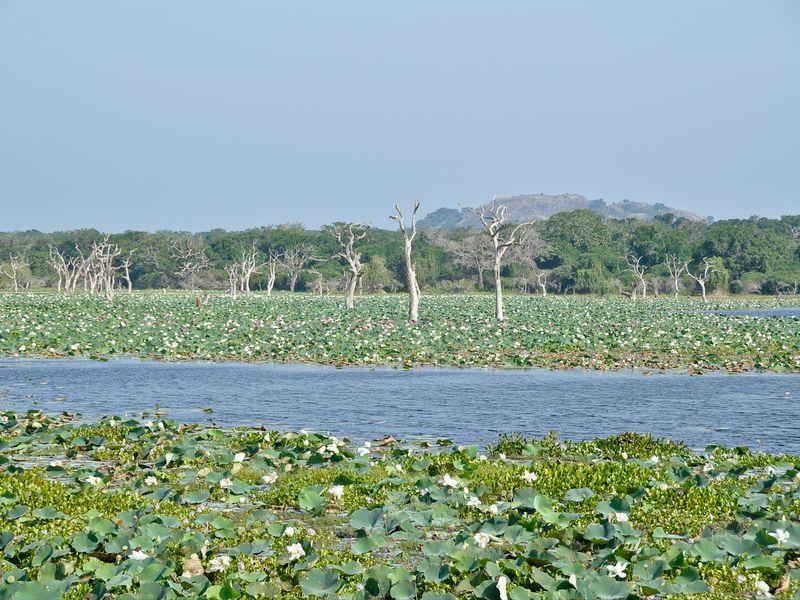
x=572 y=252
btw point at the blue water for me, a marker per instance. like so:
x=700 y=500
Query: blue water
x=468 y=406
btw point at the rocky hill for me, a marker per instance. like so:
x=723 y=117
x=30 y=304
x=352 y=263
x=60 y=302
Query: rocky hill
x=537 y=207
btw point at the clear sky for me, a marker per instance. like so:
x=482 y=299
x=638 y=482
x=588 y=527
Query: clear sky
x=195 y=114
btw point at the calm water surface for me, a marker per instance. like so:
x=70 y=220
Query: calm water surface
x=468 y=406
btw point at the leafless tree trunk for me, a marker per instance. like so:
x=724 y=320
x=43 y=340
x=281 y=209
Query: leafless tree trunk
x=272 y=266
x=15 y=265
x=347 y=235
x=541 y=280
x=295 y=259
x=189 y=254
x=69 y=269
x=319 y=277
x=702 y=277
x=233 y=271
x=249 y=265
x=493 y=217
x=126 y=269
x=635 y=263
x=676 y=268
x=414 y=293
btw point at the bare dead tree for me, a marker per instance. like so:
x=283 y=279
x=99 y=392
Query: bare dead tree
x=414 y=293
x=273 y=262
x=234 y=271
x=295 y=259
x=250 y=264
x=101 y=268
x=676 y=268
x=70 y=269
x=319 y=282
x=474 y=251
x=15 y=265
x=189 y=254
x=347 y=235
x=703 y=276
x=638 y=269
x=541 y=281
x=126 y=270
x=503 y=236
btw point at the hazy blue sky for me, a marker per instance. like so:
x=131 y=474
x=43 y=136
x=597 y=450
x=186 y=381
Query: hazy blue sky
x=193 y=114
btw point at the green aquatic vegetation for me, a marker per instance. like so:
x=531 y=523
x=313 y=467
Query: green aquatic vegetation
x=559 y=332
x=190 y=511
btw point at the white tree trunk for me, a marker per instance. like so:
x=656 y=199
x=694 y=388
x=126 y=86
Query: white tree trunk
x=352 y=282
x=498 y=291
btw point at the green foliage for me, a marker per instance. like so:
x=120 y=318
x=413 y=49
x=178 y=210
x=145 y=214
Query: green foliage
x=304 y=515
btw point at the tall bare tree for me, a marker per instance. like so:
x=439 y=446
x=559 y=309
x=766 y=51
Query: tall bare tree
x=348 y=235
x=295 y=259
x=638 y=269
x=127 y=263
x=503 y=235
x=409 y=234
x=273 y=262
x=474 y=251
x=703 y=276
x=189 y=254
x=676 y=268
x=250 y=264
x=16 y=264
x=233 y=271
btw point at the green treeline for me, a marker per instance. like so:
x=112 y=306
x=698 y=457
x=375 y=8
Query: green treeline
x=572 y=252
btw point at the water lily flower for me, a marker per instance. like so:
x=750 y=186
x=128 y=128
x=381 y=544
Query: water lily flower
x=219 y=563
x=138 y=555
x=781 y=535
x=295 y=551
x=363 y=451
x=502 y=456
x=502 y=584
x=474 y=501
x=617 y=570
x=529 y=476
x=654 y=459
x=94 y=480
x=624 y=456
x=337 y=491
x=225 y=483
x=448 y=481
x=270 y=478
x=481 y=539
x=621 y=517
x=493 y=509
x=762 y=588
x=150 y=480
x=239 y=457
x=289 y=531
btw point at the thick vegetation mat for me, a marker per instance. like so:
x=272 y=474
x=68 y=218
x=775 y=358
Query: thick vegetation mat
x=124 y=508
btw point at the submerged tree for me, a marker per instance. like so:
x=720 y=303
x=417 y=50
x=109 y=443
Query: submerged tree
x=638 y=269
x=503 y=236
x=295 y=259
x=414 y=293
x=347 y=235
x=15 y=266
x=189 y=254
x=676 y=268
x=702 y=277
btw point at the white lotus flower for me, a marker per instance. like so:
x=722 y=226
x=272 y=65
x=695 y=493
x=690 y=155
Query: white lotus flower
x=781 y=535
x=363 y=451
x=493 y=509
x=219 y=563
x=502 y=583
x=624 y=456
x=621 y=517
x=617 y=570
x=529 y=476
x=226 y=483
x=150 y=480
x=654 y=459
x=239 y=457
x=289 y=531
x=270 y=478
x=337 y=491
x=94 y=480
x=138 y=555
x=762 y=588
x=448 y=481
x=295 y=551
x=474 y=501
x=481 y=539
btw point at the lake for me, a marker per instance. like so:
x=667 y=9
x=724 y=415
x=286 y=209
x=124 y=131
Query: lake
x=468 y=406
